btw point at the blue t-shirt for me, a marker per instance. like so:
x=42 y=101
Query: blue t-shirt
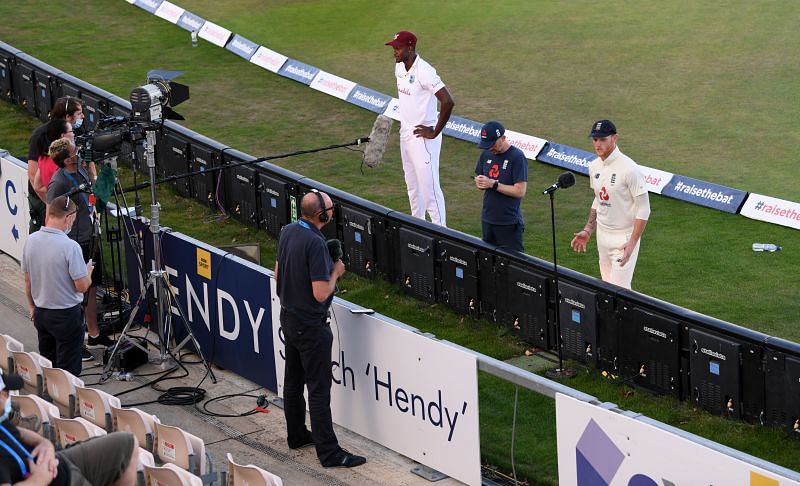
x=303 y=258
x=509 y=168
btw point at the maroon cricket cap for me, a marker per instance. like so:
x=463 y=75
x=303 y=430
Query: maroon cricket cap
x=403 y=38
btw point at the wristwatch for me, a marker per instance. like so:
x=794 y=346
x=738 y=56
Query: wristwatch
x=496 y=183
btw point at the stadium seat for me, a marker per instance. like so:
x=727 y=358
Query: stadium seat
x=7 y=346
x=175 y=445
x=250 y=475
x=145 y=459
x=170 y=475
x=31 y=405
x=140 y=423
x=95 y=406
x=61 y=388
x=29 y=367
x=69 y=431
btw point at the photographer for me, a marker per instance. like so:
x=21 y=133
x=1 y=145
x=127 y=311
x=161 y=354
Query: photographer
x=69 y=110
x=85 y=230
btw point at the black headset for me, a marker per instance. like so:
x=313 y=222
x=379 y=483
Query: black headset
x=323 y=213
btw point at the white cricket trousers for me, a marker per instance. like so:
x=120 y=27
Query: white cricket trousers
x=421 y=166
x=609 y=249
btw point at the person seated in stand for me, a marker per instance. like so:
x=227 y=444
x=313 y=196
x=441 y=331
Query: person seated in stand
x=30 y=459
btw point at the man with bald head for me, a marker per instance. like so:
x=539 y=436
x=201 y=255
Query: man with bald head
x=306 y=277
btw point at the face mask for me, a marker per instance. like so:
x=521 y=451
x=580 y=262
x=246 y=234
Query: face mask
x=78 y=122
x=6 y=410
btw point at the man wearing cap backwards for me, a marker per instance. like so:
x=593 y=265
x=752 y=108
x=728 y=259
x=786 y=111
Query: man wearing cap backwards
x=28 y=458
x=502 y=173
x=620 y=209
x=418 y=88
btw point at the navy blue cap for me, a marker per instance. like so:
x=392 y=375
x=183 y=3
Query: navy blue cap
x=490 y=133
x=603 y=128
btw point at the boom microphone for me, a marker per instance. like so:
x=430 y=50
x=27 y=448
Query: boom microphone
x=335 y=249
x=378 y=139
x=565 y=180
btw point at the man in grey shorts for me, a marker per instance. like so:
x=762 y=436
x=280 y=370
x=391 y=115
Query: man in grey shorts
x=25 y=455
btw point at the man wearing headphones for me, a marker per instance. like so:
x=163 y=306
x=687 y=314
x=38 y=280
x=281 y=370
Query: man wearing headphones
x=306 y=277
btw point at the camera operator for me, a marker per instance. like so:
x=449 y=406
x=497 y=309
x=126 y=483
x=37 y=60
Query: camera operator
x=67 y=109
x=85 y=230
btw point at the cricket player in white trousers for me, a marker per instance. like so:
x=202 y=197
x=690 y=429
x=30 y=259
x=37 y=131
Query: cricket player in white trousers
x=620 y=209
x=418 y=88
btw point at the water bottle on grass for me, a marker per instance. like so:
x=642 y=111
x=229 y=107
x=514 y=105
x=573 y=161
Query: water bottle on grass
x=765 y=247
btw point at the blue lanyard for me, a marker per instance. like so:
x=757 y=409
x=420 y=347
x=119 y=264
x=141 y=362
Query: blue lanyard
x=303 y=224
x=75 y=184
x=14 y=454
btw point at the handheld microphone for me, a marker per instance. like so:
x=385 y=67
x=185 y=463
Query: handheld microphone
x=378 y=139
x=565 y=180
x=335 y=249
x=80 y=188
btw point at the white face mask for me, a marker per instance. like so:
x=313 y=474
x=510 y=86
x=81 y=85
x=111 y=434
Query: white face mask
x=6 y=410
x=77 y=123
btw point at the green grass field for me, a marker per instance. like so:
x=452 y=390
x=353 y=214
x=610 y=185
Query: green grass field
x=704 y=91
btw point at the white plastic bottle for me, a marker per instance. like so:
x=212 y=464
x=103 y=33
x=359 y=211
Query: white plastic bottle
x=765 y=247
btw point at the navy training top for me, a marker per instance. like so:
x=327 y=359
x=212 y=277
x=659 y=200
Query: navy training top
x=508 y=168
x=303 y=258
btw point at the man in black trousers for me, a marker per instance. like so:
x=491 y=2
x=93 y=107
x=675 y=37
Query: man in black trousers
x=306 y=277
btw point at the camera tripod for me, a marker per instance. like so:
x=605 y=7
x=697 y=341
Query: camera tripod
x=163 y=297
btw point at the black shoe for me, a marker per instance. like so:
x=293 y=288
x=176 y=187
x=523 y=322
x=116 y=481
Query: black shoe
x=86 y=355
x=342 y=458
x=100 y=340
x=306 y=441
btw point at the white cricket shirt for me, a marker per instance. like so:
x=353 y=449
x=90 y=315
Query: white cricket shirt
x=616 y=182
x=416 y=92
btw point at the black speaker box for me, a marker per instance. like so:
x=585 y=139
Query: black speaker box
x=715 y=373
x=608 y=340
x=577 y=308
x=488 y=283
x=6 y=72
x=204 y=187
x=458 y=276
x=783 y=390
x=173 y=158
x=753 y=404
x=417 y=264
x=24 y=81
x=649 y=350
x=94 y=106
x=274 y=199
x=358 y=240
x=240 y=188
x=45 y=89
x=522 y=302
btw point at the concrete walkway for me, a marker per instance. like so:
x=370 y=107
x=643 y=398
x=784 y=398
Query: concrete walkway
x=258 y=439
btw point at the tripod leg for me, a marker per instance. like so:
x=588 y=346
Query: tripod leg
x=171 y=299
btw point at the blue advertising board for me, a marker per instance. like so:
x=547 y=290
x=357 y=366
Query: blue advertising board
x=369 y=99
x=148 y=5
x=299 y=71
x=191 y=22
x=463 y=129
x=704 y=193
x=567 y=157
x=242 y=47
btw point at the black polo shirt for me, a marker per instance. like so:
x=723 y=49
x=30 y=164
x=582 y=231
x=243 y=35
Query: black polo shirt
x=303 y=258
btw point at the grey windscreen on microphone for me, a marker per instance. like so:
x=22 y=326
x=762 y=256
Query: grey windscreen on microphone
x=378 y=139
x=565 y=180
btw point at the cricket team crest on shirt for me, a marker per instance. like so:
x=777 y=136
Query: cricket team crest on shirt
x=411 y=79
x=613 y=178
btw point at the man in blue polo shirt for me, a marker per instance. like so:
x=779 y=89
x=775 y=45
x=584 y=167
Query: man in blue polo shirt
x=306 y=277
x=502 y=173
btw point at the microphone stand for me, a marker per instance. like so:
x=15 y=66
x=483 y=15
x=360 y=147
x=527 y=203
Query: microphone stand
x=560 y=372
